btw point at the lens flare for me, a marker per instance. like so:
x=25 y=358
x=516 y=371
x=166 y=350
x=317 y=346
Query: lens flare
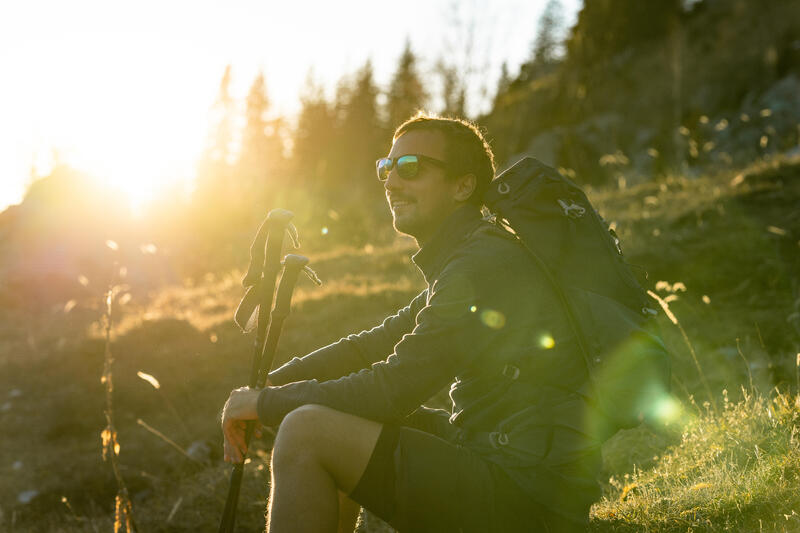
x=546 y=341
x=493 y=319
x=667 y=410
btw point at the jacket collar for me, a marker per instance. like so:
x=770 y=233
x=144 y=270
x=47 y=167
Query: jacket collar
x=431 y=258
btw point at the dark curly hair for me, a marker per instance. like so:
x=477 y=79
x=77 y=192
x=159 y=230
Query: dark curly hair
x=466 y=150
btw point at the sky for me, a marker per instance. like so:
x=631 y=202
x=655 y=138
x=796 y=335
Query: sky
x=122 y=90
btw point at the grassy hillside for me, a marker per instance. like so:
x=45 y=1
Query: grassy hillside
x=722 y=252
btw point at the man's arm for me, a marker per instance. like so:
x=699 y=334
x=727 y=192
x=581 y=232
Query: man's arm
x=353 y=352
x=448 y=335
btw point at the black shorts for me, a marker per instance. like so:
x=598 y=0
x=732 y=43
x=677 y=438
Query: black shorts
x=416 y=481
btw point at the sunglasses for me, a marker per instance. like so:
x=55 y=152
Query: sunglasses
x=407 y=165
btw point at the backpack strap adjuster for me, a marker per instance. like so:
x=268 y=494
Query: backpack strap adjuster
x=572 y=209
x=511 y=372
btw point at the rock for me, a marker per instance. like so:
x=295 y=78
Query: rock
x=27 y=496
x=200 y=451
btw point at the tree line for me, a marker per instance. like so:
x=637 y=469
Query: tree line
x=322 y=167
x=631 y=91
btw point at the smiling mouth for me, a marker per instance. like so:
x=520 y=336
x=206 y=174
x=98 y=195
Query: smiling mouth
x=400 y=203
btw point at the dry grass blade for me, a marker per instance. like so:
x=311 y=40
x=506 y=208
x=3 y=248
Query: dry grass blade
x=166 y=439
x=123 y=509
x=665 y=306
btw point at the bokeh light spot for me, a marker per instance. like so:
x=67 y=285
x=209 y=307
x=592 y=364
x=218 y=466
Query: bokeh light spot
x=472 y=309
x=546 y=341
x=325 y=230
x=493 y=319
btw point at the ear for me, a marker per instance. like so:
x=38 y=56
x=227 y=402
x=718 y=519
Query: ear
x=465 y=186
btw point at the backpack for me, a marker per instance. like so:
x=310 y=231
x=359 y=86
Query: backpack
x=609 y=312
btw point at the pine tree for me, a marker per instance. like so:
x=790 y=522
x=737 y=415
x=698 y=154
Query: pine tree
x=261 y=156
x=503 y=85
x=214 y=167
x=454 y=93
x=222 y=120
x=549 y=34
x=406 y=95
x=360 y=133
x=547 y=44
x=314 y=137
x=216 y=203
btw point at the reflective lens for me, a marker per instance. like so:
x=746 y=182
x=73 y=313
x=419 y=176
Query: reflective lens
x=384 y=166
x=407 y=166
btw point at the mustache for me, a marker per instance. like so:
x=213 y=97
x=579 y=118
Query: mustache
x=399 y=198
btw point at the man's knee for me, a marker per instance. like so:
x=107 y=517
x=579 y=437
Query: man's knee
x=300 y=429
x=302 y=422
x=314 y=435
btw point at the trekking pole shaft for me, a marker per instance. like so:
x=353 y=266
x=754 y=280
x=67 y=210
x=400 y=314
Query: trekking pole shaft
x=263 y=270
x=293 y=265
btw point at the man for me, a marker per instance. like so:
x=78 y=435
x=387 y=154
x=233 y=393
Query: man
x=513 y=455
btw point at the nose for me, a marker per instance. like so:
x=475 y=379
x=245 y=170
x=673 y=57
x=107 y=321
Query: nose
x=393 y=181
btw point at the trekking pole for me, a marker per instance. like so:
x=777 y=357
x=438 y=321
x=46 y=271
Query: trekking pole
x=292 y=266
x=262 y=272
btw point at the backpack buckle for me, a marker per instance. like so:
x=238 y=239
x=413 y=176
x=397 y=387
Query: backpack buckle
x=511 y=372
x=571 y=209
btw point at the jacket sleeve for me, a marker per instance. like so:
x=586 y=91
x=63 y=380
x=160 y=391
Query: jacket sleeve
x=447 y=336
x=353 y=352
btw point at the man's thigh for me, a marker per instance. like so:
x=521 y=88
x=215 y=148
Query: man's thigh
x=417 y=481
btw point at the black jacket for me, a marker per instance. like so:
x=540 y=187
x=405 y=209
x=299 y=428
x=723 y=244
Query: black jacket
x=492 y=328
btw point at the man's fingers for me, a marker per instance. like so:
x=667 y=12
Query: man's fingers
x=231 y=453
x=240 y=407
x=235 y=442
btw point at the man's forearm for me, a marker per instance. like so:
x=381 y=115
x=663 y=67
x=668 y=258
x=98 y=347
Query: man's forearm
x=329 y=362
x=353 y=352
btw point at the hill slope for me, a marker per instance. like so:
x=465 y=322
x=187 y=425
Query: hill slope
x=724 y=247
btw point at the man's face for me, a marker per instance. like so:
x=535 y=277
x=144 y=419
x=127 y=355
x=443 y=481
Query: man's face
x=420 y=204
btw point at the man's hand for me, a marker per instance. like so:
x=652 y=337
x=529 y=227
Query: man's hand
x=240 y=407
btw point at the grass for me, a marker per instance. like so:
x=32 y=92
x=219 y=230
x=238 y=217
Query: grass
x=738 y=470
x=725 y=249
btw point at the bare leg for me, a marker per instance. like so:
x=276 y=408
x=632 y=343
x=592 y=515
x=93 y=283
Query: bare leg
x=319 y=452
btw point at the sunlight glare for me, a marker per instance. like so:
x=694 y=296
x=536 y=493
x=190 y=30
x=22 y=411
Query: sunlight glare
x=667 y=410
x=139 y=134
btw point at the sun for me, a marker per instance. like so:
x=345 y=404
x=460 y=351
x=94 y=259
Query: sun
x=137 y=161
x=127 y=114
x=142 y=147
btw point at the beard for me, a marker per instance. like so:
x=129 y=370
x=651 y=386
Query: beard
x=404 y=220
